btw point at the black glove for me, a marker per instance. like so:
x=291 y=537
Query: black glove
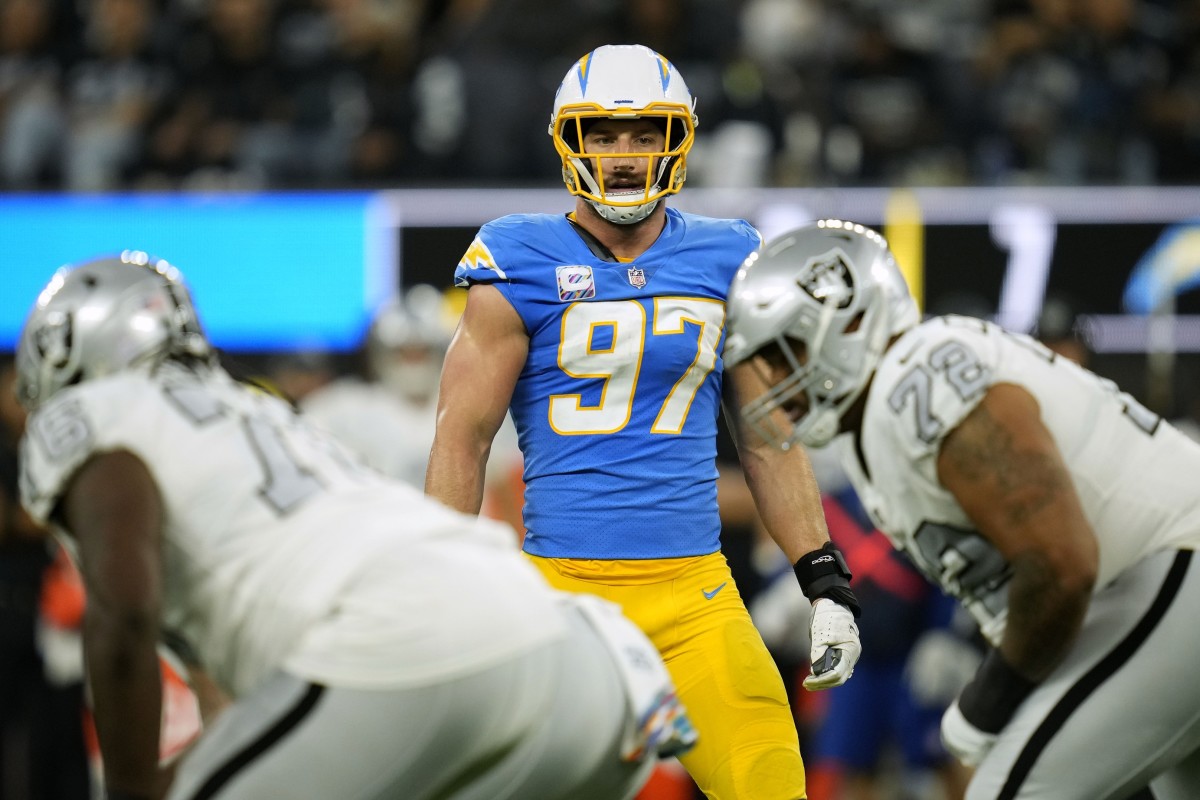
x=990 y=699
x=972 y=722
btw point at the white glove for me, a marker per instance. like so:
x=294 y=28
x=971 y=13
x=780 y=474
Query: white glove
x=968 y=744
x=835 y=646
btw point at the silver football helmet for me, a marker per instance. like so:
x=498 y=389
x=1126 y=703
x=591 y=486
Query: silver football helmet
x=407 y=342
x=623 y=82
x=102 y=316
x=829 y=296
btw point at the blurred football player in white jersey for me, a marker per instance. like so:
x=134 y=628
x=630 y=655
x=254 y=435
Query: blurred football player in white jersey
x=389 y=419
x=1060 y=512
x=375 y=643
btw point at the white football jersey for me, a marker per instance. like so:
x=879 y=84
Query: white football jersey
x=391 y=435
x=1135 y=474
x=280 y=550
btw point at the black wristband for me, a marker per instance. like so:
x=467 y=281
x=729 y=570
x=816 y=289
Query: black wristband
x=824 y=573
x=990 y=699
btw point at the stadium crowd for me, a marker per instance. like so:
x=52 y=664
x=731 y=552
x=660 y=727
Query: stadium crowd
x=100 y=95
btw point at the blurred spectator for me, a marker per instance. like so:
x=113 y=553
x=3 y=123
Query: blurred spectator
x=285 y=95
x=32 y=123
x=887 y=110
x=112 y=91
x=228 y=82
x=375 y=52
x=496 y=64
x=1063 y=88
x=386 y=413
x=329 y=93
x=1173 y=110
x=388 y=418
x=790 y=43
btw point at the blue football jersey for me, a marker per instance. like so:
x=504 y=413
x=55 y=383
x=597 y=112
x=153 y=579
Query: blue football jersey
x=616 y=407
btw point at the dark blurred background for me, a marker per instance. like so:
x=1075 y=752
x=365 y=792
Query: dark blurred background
x=198 y=94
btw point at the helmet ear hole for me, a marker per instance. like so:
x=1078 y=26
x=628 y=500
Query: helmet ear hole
x=574 y=130
x=674 y=131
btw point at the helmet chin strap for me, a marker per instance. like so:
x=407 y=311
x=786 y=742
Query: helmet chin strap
x=620 y=215
x=624 y=215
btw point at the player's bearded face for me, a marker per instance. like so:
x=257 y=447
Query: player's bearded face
x=618 y=142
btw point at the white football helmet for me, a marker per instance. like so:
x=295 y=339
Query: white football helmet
x=102 y=316
x=406 y=344
x=830 y=296
x=623 y=82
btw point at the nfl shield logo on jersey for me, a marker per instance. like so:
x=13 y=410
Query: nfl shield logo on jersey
x=575 y=282
x=637 y=277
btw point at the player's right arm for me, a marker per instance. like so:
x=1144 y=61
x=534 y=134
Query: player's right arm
x=482 y=365
x=112 y=509
x=1003 y=467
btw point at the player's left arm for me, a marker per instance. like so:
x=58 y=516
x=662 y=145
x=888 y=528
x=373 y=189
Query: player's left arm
x=781 y=481
x=788 y=500
x=1005 y=470
x=113 y=510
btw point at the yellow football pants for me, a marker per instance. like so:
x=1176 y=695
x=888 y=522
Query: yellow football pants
x=692 y=611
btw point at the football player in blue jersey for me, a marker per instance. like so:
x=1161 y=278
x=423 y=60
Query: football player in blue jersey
x=603 y=330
